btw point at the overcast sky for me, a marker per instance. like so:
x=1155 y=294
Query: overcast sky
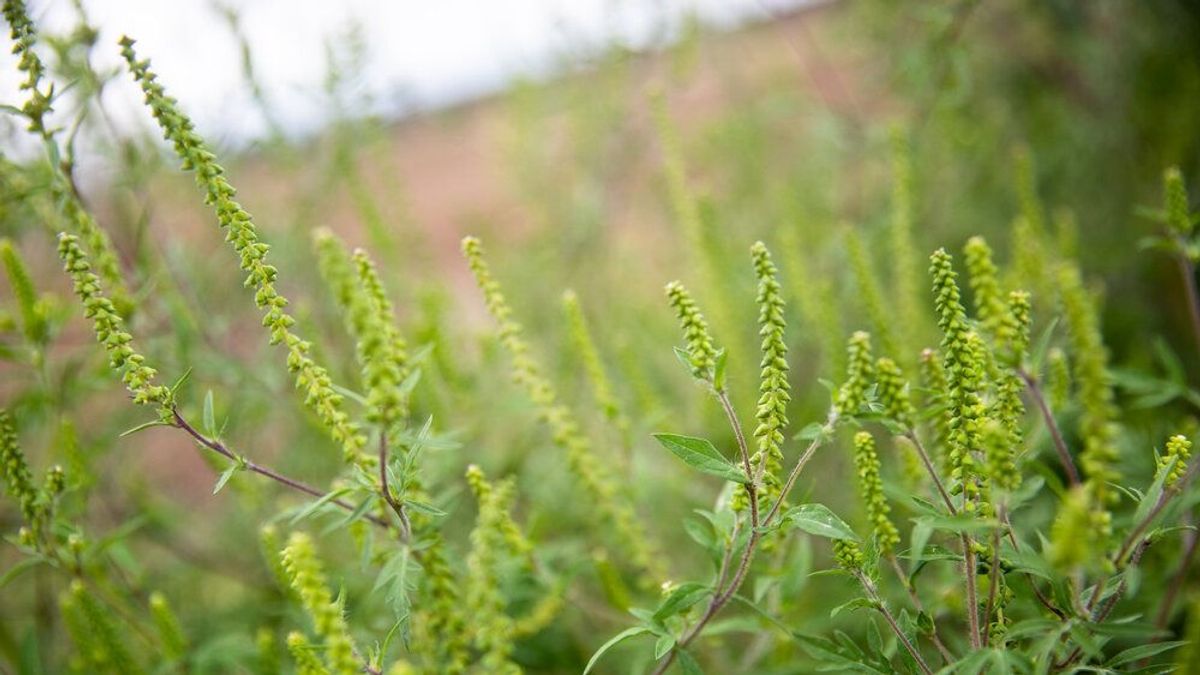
x=420 y=54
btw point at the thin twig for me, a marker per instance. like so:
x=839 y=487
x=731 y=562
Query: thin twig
x=751 y=487
x=396 y=505
x=1060 y=446
x=219 y=448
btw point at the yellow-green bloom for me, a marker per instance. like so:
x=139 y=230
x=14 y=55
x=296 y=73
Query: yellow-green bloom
x=170 y=634
x=848 y=554
x=1179 y=451
x=853 y=393
x=311 y=378
x=110 y=329
x=870 y=491
x=892 y=391
x=33 y=319
x=774 y=387
x=1098 y=411
x=984 y=279
x=614 y=509
x=304 y=570
x=585 y=348
x=700 y=350
x=1179 y=219
x=493 y=627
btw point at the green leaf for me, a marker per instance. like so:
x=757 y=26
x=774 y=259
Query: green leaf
x=960 y=524
x=316 y=504
x=702 y=456
x=18 y=569
x=719 y=370
x=811 y=432
x=663 y=645
x=210 y=424
x=144 y=426
x=1143 y=652
x=687 y=662
x=680 y=599
x=422 y=507
x=616 y=639
x=817 y=519
x=856 y=603
x=226 y=475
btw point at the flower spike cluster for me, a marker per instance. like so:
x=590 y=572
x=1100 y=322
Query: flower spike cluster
x=1179 y=450
x=870 y=490
x=240 y=231
x=700 y=350
x=962 y=352
x=304 y=571
x=110 y=329
x=585 y=347
x=774 y=388
x=984 y=280
x=859 y=372
x=33 y=320
x=893 y=393
x=616 y=512
x=383 y=354
x=1097 y=427
x=493 y=627
x=1176 y=198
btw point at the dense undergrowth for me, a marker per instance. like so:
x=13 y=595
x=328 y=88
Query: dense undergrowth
x=827 y=449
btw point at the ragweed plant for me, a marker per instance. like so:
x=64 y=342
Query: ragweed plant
x=1008 y=494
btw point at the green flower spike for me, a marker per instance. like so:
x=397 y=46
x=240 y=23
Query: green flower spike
x=240 y=231
x=892 y=390
x=859 y=371
x=110 y=329
x=1176 y=198
x=701 y=353
x=985 y=285
x=615 y=511
x=774 y=388
x=848 y=554
x=1179 y=450
x=304 y=570
x=870 y=490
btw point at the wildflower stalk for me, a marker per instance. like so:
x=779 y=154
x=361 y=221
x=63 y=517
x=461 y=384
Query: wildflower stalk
x=1180 y=227
x=241 y=232
x=618 y=514
x=1060 y=444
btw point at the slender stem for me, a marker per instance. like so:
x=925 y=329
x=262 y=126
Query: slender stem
x=219 y=448
x=919 y=606
x=1012 y=538
x=1187 y=269
x=993 y=587
x=1060 y=445
x=395 y=504
x=911 y=435
x=722 y=597
x=869 y=588
x=972 y=595
x=1177 y=580
x=751 y=485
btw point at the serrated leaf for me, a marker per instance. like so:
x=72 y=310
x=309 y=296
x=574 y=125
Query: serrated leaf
x=614 y=641
x=818 y=520
x=699 y=454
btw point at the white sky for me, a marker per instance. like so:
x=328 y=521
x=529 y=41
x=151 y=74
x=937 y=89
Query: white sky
x=423 y=53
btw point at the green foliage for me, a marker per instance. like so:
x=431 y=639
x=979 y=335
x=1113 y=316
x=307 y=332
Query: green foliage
x=982 y=549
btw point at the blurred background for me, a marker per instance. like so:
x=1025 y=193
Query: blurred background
x=567 y=135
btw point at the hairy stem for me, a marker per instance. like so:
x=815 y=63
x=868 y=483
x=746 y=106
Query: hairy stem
x=1060 y=445
x=751 y=485
x=919 y=606
x=873 y=594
